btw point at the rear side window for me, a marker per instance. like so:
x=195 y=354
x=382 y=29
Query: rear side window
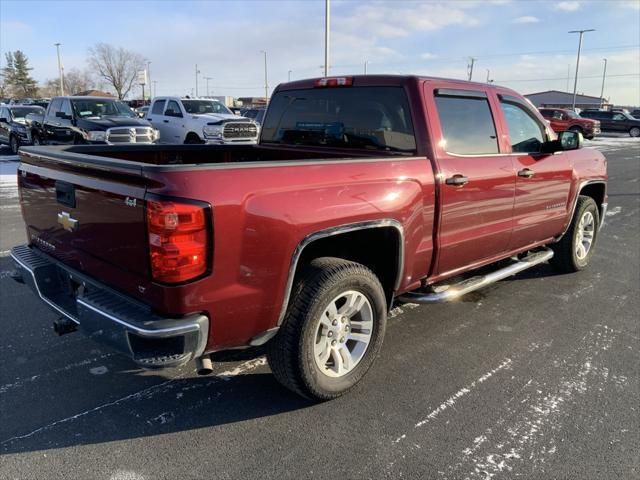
x=173 y=108
x=525 y=133
x=158 y=107
x=368 y=118
x=467 y=125
x=66 y=107
x=55 y=106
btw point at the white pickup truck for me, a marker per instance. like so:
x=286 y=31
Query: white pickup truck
x=198 y=121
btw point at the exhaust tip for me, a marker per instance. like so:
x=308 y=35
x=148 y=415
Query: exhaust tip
x=204 y=366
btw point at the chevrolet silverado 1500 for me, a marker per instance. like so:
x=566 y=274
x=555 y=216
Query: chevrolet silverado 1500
x=362 y=190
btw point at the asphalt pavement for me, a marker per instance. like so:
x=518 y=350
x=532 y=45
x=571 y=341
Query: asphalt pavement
x=535 y=377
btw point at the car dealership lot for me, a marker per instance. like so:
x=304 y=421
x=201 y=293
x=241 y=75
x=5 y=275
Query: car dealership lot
x=534 y=377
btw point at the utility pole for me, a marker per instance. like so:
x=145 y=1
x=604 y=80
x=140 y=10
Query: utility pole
x=266 y=82
x=365 y=66
x=604 y=74
x=289 y=75
x=575 y=81
x=207 y=79
x=155 y=87
x=197 y=73
x=568 y=75
x=327 y=20
x=57 y=45
x=470 y=68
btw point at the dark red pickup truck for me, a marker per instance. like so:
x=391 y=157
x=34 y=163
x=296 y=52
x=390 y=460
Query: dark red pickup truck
x=362 y=190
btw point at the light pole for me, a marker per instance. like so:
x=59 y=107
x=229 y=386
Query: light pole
x=366 y=62
x=327 y=20
x=207 y=79
x=155 y=87
x=575 y=81
x=197 y=72
x=148 y=79
x=57 y=45
x=488 y=80
x=604 y=74
x=266 y=82
x=289 y=75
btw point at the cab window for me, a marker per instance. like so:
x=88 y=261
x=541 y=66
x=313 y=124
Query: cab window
x=173 y=109
x=158 y=107
x=525 y=133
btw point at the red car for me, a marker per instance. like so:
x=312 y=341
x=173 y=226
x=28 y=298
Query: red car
x=363 y=191
x=563 y=120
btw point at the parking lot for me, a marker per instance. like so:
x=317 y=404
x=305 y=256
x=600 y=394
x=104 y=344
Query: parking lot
x=535 y=377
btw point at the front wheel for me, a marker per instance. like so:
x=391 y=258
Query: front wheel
x=333 y=329
x=574 y=251
x=14 y=143
x=37 y=140
x=634 y=131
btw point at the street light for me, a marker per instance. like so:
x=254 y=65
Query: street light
x=197 y=72
x=207 y=79
x=266 y=83
x=57 y=45
x=575 y=81
x=604 y=74
x=327 y=20
x=366 y=62
x=148 y=78
x=289 y=75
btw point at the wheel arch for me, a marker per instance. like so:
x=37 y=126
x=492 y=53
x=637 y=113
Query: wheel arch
x=596 y=189
x=358 y=242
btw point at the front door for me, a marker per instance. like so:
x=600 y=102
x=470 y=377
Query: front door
x=476 y=180
x=542 y=180
x=173 y=123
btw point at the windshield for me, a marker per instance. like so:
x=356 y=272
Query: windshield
x=99 y=108
x=201 y=107
x=17 y=113
x=371 y=118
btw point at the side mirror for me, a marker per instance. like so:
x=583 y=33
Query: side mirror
x=569 y=140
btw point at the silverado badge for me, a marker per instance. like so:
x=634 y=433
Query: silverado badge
x=67 y=222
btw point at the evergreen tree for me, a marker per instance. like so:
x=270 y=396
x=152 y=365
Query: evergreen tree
x=22 y=83
x=8 y=74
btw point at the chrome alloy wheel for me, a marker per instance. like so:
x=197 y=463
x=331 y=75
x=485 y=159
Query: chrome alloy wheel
x=585 y=234
x=343 y=334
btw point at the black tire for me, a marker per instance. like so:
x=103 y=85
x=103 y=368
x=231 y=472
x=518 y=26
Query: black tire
x=36 y=140
x=192 y=139
x=634 y=132
x=578 y=129
x=565 y=258
x=290 y=353
x=14 y=143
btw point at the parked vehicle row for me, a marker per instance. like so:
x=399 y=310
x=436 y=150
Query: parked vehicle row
x=562 y=119
x=362 y=191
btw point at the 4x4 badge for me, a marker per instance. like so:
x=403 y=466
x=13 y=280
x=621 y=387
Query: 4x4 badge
x=67 y=222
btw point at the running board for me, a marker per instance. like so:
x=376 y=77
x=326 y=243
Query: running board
x=453 y=291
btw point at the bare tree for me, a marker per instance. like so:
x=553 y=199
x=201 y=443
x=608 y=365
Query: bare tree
x=116 y=65
x=77 y=81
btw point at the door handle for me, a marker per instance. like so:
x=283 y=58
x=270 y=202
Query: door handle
x=457 y=179
x=150 y=119
x=165 y=121
x=526 y=173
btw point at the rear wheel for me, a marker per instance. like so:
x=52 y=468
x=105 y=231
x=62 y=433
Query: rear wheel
x=574 y=251
x=14 y=143
x=634 y=131
x=37 y=140
x=333 y=329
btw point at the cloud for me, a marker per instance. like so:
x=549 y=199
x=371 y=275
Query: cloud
x=526 y=19
x=634 y=4
x=428 y=56
x=401 y=20
x=567 y=6
x=15 y=27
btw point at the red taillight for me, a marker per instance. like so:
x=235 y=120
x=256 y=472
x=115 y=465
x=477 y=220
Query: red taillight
x=178 y=240
x=334 y=82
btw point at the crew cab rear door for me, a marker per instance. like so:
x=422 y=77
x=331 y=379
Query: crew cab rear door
x=476 y=180
x=543 y=179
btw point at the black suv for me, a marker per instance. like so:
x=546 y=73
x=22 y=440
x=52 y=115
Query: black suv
x=620 y=122
x=14 y=129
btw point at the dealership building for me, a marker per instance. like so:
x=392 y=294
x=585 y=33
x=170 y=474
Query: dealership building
x=558 y=99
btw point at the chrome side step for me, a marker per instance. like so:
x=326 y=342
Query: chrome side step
x=453 y=291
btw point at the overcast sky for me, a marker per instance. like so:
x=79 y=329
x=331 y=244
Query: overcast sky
x=524 y=44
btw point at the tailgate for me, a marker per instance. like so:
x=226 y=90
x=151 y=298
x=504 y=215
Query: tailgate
x=89 y=217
